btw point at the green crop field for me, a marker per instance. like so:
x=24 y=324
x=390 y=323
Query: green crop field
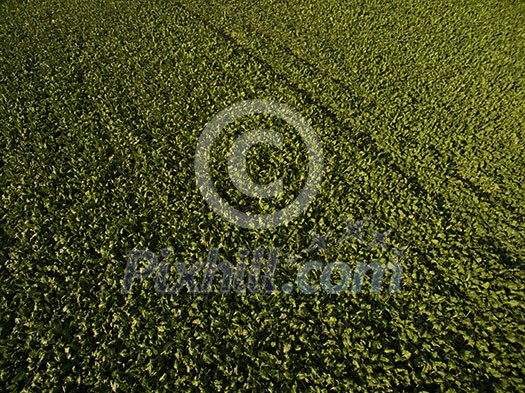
x=419 y=109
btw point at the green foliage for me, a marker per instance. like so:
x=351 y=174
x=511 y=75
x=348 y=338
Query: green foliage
x=419 y=109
